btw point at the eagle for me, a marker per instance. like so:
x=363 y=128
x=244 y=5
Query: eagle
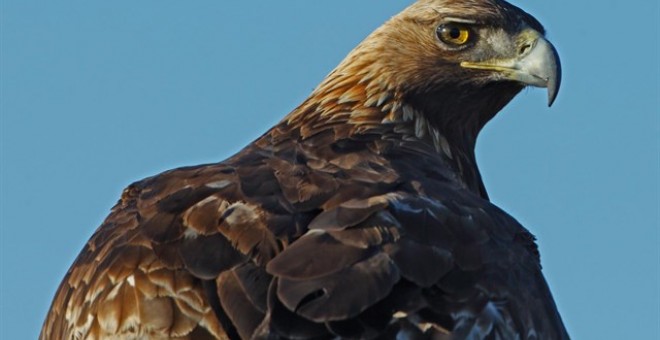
x=360 y=215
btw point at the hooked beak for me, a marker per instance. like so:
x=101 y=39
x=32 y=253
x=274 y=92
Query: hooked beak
x=536 y=64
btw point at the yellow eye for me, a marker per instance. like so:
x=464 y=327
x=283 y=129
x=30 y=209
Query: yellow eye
x=454 y=34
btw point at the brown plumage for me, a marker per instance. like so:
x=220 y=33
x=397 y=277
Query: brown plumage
x=361 y=214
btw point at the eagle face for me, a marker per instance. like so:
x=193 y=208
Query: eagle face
x=360 y=215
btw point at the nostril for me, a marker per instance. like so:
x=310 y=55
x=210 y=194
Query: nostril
x=524 y=48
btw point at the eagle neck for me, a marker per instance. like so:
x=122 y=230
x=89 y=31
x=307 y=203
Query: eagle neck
x=358 y=109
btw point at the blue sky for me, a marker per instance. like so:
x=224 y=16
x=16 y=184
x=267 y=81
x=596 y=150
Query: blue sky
x=98 y=94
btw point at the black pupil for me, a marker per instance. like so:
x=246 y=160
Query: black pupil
x=454 y=32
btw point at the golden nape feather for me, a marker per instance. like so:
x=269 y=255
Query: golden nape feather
x=362 y=214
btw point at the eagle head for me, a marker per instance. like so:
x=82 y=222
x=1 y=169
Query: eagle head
x=453 y=64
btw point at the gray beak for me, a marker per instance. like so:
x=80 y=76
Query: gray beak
x=536 y=64
x=540 y=67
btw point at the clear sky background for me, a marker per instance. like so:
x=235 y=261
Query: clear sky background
x=98 y=94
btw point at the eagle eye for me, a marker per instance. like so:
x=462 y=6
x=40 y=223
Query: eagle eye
x=454 y=35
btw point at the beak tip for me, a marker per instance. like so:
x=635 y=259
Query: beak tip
x=553 y=86
x=552 y=95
